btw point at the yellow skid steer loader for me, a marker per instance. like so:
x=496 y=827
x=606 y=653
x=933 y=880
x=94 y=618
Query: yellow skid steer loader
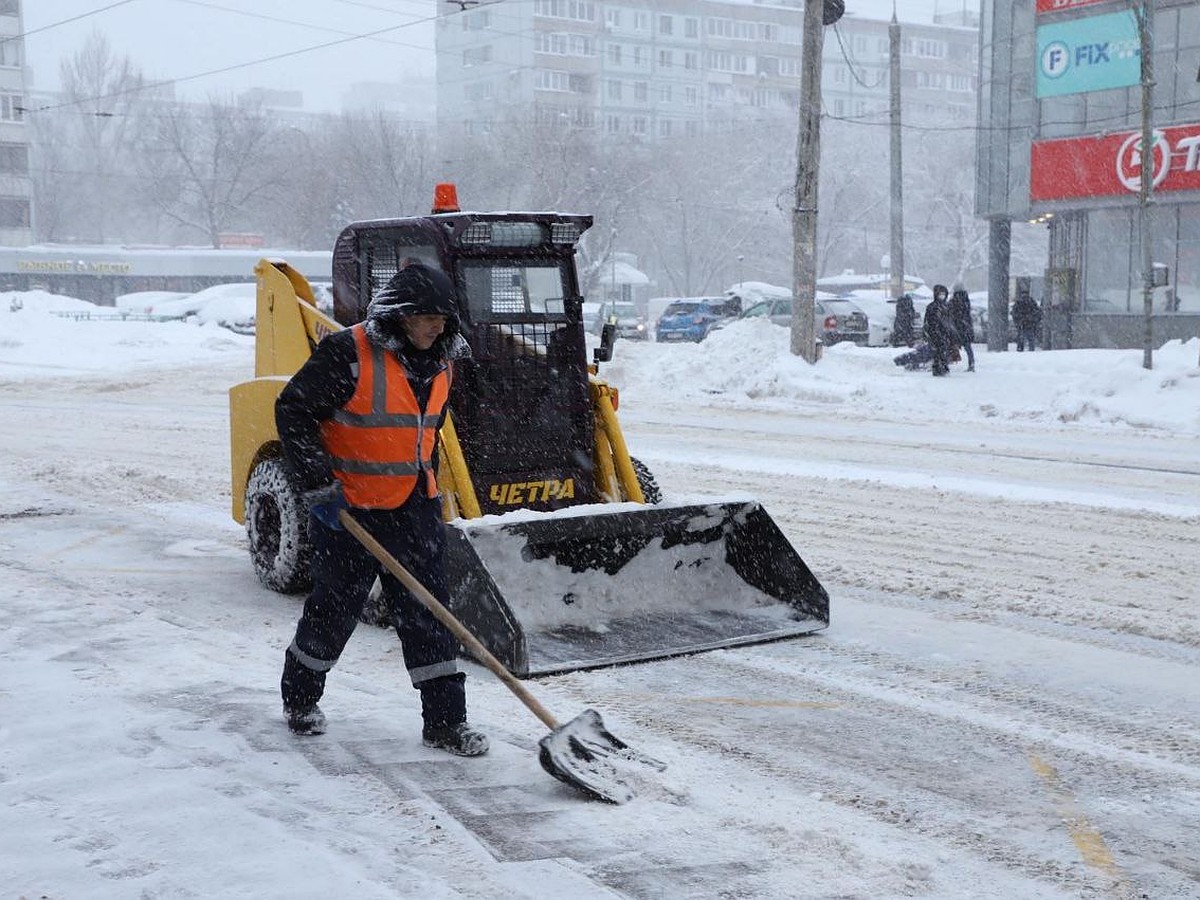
x=561 y=553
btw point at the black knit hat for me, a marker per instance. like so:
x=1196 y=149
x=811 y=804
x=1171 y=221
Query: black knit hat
x=417 y=290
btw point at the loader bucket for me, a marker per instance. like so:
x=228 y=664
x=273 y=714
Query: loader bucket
x=596 y=585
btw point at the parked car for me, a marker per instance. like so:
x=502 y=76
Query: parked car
x=630 y=322
x=838 y=319
x=692 y=318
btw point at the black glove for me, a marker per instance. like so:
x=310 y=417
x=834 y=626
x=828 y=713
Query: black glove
x=324 y=503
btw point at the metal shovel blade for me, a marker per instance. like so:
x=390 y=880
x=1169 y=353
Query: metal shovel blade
x=586 y=755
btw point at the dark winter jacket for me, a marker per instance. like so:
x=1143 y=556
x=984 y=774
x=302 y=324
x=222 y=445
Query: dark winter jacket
x=902 y=328
x=1026 y=313
x=960 y=315
x=939 y=329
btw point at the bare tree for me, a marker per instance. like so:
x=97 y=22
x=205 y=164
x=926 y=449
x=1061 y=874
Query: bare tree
x=383 y=166
x=206 y=167
x=83 y=145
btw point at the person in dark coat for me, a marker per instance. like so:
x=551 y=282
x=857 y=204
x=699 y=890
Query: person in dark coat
x=939 y=330
x=902 y=327
x=359 y=427
x=964 y=327
x=1027 y=320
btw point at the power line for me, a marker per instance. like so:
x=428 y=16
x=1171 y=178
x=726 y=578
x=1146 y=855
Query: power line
x=25 y=34
x=283 y=21
x=234 y=67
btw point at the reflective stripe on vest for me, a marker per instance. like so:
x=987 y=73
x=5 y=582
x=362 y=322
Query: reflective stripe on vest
x=381 y=441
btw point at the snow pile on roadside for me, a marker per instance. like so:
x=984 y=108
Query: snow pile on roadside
x=749 y=363
x=36 y=343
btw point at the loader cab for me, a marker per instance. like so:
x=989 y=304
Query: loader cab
x=520 y=401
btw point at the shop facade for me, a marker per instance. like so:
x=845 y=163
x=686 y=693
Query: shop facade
x=1061 y=145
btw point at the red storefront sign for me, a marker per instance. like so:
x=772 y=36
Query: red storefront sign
x=231 y=240
x=1110 y=165
x=1045 y=6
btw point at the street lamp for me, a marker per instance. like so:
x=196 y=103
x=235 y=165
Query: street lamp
x=740 y=260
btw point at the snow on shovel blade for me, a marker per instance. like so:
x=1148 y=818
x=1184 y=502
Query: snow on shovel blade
x=586 y=755
x=592 y=586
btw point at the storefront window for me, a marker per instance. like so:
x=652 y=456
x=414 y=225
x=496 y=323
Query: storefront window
x=1110 y=248
x=1113 y=280
x=1186 y=277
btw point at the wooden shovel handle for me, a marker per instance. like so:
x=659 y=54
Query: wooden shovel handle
x=447 y=618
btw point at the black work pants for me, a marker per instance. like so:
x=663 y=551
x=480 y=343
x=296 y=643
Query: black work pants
x=343 y=572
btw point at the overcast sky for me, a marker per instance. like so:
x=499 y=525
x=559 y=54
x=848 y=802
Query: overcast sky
x=186 y=39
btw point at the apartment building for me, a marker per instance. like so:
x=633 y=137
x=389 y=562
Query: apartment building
x=16 y=187
x=660 y=69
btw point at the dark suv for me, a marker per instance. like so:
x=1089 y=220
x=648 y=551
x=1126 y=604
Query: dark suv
x=692 y=318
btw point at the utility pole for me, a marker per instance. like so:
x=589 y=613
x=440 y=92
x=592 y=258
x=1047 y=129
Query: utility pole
x=817 y=14
x=1145 y=198
x=897 y=252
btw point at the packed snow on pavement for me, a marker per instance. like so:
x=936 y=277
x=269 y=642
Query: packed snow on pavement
x=1006 y=702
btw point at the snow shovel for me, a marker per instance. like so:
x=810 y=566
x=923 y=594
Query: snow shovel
x=582 y=752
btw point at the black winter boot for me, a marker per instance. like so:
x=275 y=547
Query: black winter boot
x=444 y=710
x=462 y=739
x=305 y=720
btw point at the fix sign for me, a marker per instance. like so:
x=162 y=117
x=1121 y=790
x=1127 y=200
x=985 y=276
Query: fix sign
x=1111 y=164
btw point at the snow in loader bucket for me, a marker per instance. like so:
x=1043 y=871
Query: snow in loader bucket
x=604 y=584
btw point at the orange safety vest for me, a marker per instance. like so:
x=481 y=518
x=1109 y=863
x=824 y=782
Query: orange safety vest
x=381 y=441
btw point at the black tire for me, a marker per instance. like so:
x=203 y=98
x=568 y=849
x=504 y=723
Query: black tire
x=277 y=526
x=646 y=481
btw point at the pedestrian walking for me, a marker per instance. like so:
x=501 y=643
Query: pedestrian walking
x=960 y=315
x=359 y=428
x=1027 y=320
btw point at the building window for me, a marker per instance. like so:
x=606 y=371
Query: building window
x=639 y=91
x=550 y=80
x=579 y=10
x=614 y=54
x=477 y=92
x=664 y=59
x=612 y=124
x=639 y=57
x=691 y=60
x=641 y=21
x=10 y=53
x=612 y=17
x=474 y=56
x=665 y=24
x=613 y=89
x=639 y=125
x=14 y=212
x=691 y=128
x=8 y=7
x=931 y=49
x=664 y=128
x=691 y=27
x=14 y=159
x=664 y=93
x=563 y=44
x=476 y=21
x=690 y=95
x=12 y=107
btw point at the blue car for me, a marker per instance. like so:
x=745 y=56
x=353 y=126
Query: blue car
x=692 y=318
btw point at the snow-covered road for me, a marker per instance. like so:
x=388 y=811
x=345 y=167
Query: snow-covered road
x=1006 y=704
